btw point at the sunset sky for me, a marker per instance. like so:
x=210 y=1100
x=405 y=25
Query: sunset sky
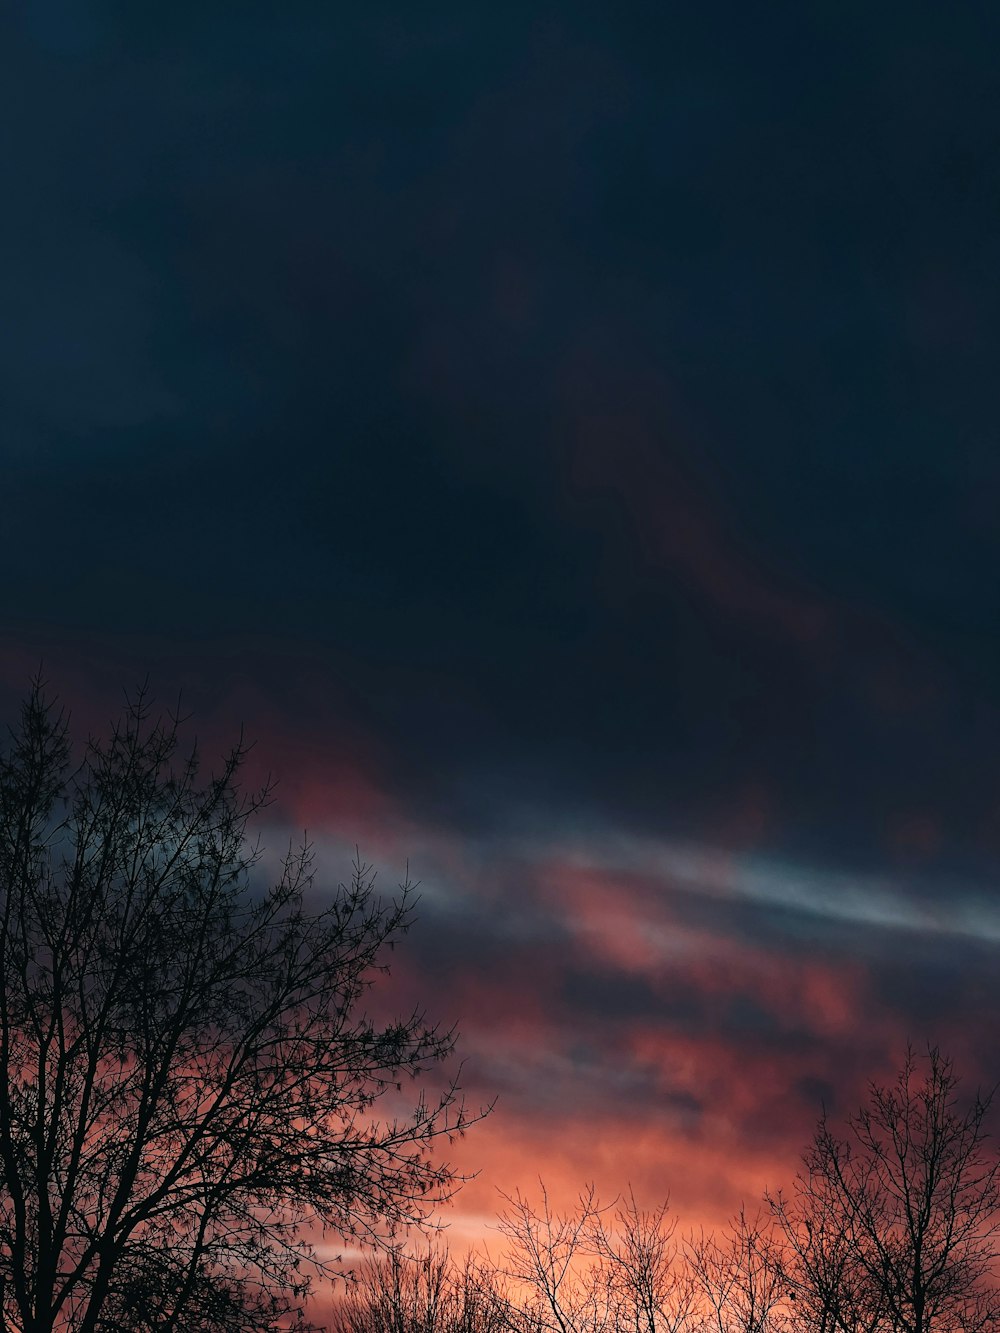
x=566 y=436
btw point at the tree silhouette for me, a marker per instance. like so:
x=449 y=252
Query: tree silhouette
x=896 y=1224
x=189 y=1089
x=596 y=1269
x=829 y=1286
x=424 y=1293
x=738 y=1277
x=650 y=1282
x=550 y=1260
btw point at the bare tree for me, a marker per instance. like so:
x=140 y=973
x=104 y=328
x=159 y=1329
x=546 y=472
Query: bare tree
x=614 y=1267
x=559 y=1285
x=738 y=1277
x=829 y=1286
x=651 y=1285
x=912 y=1193
x=425 y=1293
x=479 y=1298
x=188 y=1086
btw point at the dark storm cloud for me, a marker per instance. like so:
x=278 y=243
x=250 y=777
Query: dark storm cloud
x=605 y=394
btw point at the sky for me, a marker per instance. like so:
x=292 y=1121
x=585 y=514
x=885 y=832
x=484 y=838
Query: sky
x=565 y=436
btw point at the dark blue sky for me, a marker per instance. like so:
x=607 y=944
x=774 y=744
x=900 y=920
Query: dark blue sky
x=566 y=417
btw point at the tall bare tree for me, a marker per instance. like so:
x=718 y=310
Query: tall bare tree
x=559 y=1283
x=911 y=1194
x=595 y=1269
x=829 y=1286
x=738 y=1277
x=649 y=1280
x=429 y=1292
x=189 y=1088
